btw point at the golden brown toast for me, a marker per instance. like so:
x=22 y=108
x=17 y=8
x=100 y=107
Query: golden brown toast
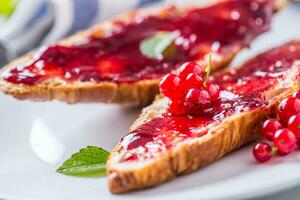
x=139 y=92
x=160 y=146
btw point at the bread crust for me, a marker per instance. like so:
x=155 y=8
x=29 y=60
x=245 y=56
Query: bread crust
x=221 y=139
x=224 y=138
x=139 y=93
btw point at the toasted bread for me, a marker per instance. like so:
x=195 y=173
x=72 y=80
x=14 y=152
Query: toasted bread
x=139 y=92
x=138 y=162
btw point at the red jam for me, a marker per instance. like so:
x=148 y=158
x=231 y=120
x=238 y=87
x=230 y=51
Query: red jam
x=241 y=90
x=222 y=29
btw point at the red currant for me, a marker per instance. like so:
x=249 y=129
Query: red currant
x=281 y=153
x=262 y=152
x=196 y=96
x=187 y=91
x=287 y=108
x=297 y=94
x=284 y=140
x=213 y=91
x=269 y=127
x=169 y=86
x=177 y=107
x=190 y=67
x=294 y=125
x=193 y=81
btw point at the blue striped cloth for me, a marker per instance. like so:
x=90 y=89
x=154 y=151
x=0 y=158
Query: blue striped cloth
x=39 y=22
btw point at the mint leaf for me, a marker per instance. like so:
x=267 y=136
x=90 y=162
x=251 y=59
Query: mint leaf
x=88 y=161
x=207 y=70
x=158 y=46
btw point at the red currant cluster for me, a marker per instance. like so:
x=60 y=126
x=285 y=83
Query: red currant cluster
x=189 y=91
x=285 y=132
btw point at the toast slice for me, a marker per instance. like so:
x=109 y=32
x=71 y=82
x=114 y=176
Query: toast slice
x=105 y=63
x=160 y=146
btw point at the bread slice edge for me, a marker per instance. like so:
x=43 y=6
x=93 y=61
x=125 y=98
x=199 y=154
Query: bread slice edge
x=221 y=139
x=138 y=93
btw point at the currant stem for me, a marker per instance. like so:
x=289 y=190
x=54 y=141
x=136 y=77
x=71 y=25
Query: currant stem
x=207 y=70
x=274 y=150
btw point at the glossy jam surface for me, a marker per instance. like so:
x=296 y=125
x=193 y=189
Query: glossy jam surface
x=241 y=90
x=222 y=28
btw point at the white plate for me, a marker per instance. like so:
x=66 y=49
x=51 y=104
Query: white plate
x=37 y=137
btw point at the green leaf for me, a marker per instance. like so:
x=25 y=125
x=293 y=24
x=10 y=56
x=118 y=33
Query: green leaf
x=207 y=70
x=7 y=7
x=158 y=46
x=88 y=161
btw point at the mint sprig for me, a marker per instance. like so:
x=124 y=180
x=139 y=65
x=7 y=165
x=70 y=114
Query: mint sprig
x=88 y=161
x=207 y=70
x=159 y=45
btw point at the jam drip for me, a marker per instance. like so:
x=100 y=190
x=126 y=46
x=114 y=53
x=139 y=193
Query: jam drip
x=241 y=90
x=222 y=29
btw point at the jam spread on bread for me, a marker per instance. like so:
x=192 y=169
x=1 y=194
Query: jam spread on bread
x=241 y=89
x=221 y=29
